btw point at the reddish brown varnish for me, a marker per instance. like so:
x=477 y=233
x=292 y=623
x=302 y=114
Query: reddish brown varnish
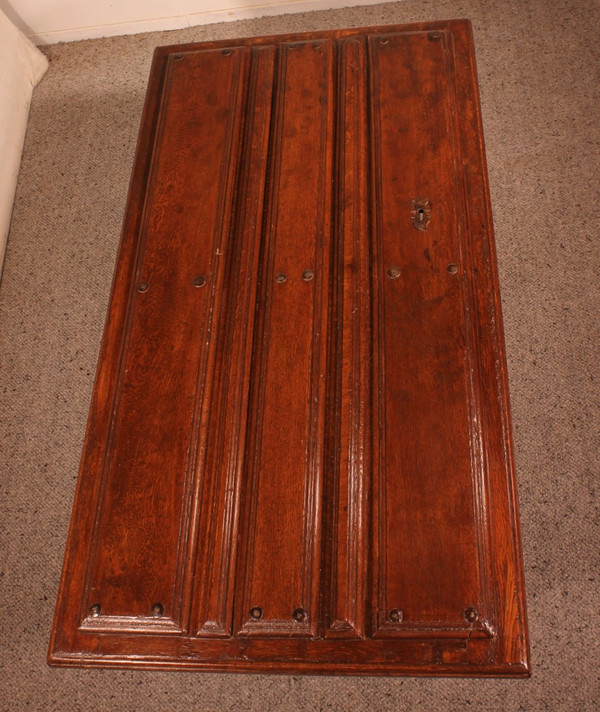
x=298 y=456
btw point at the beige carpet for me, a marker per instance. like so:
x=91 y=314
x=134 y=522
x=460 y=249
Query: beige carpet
x=540 y=85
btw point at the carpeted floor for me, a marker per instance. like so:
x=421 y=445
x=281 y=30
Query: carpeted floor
x=539 y=66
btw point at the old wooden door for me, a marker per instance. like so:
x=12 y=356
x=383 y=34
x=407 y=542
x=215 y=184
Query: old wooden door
x=298 y=454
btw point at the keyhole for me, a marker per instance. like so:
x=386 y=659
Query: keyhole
x=420 y=213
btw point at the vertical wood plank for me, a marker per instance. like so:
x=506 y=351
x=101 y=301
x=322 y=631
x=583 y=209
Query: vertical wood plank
x=136 y=566
x=351 y=353
x=219 y=486
x=280 y=575
x=428 y=466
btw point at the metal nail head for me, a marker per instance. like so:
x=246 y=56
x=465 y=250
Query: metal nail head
x=471 y=614
x=299 y=615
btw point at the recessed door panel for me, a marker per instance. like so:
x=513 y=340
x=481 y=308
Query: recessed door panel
x=136 y=568
x=279 y=575
x=427 y=570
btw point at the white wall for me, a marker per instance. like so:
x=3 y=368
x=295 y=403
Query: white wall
x=48 y=21
x=21 y=67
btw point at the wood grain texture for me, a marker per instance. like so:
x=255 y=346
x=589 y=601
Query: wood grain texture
x=219 y=485
x=289 y=359
x=427 y=567
x=298 y=455
x=350 y=355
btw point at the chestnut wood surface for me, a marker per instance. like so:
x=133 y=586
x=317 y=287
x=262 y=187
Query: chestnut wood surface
x=298 y=456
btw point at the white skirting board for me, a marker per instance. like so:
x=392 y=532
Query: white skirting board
x=50 y=21
x=21 y=67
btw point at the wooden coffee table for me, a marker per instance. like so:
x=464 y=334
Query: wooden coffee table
x=298 y=456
